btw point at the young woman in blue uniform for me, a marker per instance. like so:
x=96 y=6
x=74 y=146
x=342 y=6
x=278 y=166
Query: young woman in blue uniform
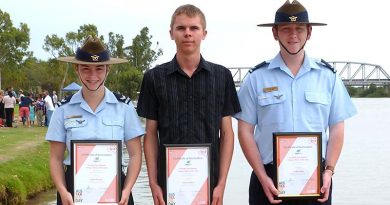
x=93 y=113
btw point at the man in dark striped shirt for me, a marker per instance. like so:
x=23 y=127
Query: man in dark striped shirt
x=188 y=101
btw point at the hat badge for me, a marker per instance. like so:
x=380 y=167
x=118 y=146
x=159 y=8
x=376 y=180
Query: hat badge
x=293 y=18
x=95 y=58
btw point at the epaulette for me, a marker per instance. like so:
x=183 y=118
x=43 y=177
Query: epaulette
x=327 y=65
x=64 y=100
x=258 y=66
x=122 y=98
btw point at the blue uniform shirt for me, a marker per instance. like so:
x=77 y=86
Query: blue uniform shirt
x=112 y=120
x=274 y=100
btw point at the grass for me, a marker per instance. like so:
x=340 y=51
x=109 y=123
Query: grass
x=14 y=140
x=24 y=164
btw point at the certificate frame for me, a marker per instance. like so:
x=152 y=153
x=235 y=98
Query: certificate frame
x=184 y=163
x=298 y=165
x=91 y=162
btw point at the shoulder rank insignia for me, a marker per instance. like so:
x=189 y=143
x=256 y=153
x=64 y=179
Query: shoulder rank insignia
x=327 y=65
x=258 y=66
x=64 y=100
x=122 y=98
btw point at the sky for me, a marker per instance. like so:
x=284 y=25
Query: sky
x=356 y=29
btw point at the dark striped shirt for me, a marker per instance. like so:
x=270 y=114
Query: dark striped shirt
x=188 y=110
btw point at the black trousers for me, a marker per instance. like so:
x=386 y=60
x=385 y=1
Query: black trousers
x=9 y=115
x=258 y=197
x=69 y=185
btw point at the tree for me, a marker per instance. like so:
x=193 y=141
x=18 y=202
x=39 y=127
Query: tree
x=115 y=45
x=140 y=53
x=14 y=42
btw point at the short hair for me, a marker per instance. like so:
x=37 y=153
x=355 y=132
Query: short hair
x=191 y=11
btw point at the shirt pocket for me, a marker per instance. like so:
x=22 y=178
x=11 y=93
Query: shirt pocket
x=318 y=106
x=271 y=107
x=317 y=98
x=77 y=128
x=75 y=123
x=113 y=129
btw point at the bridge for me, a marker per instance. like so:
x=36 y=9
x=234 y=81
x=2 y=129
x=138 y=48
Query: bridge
x=352 y=73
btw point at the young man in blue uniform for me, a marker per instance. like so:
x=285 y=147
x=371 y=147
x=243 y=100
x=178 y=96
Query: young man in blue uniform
x=93 y=113
x=291 y=93
x=188 y=101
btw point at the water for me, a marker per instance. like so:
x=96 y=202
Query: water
x=361 y=176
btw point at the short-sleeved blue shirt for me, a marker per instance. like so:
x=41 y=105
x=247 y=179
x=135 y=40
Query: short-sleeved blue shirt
x=112 y=120
x=274 y=100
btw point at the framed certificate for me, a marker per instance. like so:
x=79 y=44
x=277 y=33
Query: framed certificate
x=187 y=174
x=297 y=163
x=97 y=171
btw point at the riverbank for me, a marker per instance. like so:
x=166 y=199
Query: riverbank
x=24 y=165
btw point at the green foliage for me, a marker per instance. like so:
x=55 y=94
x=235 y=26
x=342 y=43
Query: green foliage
x=125 y=80
x=58 y=46
x=14 y=43
x=140 y=53
x=372 y=91
x=115 y=45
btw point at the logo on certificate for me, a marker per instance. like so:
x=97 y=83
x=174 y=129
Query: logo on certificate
x=78 y=195
x=171 y=199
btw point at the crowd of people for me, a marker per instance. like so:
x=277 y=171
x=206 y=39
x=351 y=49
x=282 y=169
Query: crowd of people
x=35 y=109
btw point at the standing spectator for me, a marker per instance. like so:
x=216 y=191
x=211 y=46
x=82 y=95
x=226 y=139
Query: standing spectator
x=2 y=114
x=49 y=106
x=55 y=98
x=32 y=114
x=24 y=108
x=40 y=110
x=11 y=89
x=9 y=105
x=20 y=94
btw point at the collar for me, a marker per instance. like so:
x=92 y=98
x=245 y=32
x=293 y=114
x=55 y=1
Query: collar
x=174 y=66
x=277 y=62
x=109 y=97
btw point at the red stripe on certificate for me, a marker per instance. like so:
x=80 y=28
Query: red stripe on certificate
x=202 y=197
x=174 y=156
x=110 y=195
x=82 y=153
x=284 y=145
x=311 y=186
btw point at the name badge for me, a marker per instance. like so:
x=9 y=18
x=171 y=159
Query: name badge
x=270 y=89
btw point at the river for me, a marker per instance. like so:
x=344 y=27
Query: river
x=361 y=176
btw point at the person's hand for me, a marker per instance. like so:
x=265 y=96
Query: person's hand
x=157 y=195
x=124 y=198
x=270 y=190
x=66 y=198
x=218 y=195
x=326 y=182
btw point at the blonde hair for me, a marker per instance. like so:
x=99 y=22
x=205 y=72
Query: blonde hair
x=189 y=10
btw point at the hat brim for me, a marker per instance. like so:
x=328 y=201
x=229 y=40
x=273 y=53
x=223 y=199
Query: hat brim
x=275 y=24
x=71 y=59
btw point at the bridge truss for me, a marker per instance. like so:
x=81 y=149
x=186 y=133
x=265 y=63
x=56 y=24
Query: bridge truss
x=352 y=73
